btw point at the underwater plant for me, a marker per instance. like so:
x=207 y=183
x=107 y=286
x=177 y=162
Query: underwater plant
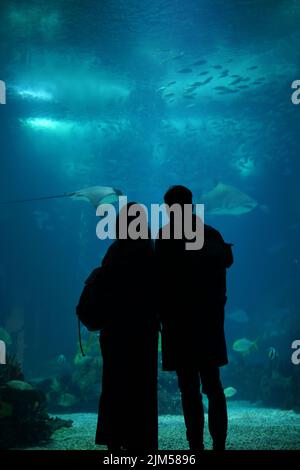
x=78 y=387
x=24 y=420
x=90 y=347
x=12 y=370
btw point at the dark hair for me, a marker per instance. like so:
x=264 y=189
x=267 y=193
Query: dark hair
x=178 y=195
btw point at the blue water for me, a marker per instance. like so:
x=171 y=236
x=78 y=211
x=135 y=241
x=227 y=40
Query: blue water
x=86 y=105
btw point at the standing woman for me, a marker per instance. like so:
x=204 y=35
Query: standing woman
x=128 y=416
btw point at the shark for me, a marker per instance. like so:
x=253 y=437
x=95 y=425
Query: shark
x=225 y=199
x=96 y=195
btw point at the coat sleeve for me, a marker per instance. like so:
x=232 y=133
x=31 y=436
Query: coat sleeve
x=218 y=248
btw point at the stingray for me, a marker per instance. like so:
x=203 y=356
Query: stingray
x=224 y=199
x=95 y=195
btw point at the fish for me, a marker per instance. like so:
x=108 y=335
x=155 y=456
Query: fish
x=246 y=79
x=225 y=199
x=227 y=91
x=253 y=67
x=206 y=81
x=230 y=392
x=235 y=76
x=205 y=72
x=61 y=359
x=96 y=195
x=239 y=315
x=185 y=70
x=194 y=85
x=220 y=88
x=224 y=73
x=177 y=57
x=200 y=62
x=272 y=353
x=244 y=345
x=228 y=61
x=189 y=91
x=243 y=87
x=169 y=95
x=162 y=88
x=19 y=385
x=217 y=67
x=67 y=400
x=189 y=96
x=257 y=82
x=236 y=81
x=171 y=83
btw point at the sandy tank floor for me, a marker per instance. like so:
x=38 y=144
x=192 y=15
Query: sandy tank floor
x=250 y=428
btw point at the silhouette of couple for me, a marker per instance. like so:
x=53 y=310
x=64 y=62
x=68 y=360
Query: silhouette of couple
x=183 y=294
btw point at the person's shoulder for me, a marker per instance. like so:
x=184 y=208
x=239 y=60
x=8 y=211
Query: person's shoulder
x=110 y=253
x=212 y=232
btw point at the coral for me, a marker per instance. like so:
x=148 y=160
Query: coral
x=23 y=416
x=90 y=347
x=277 y=391
x=79 y=388
x=23 y=410
x=67 y=400
x=12 y=370
x=87 y=376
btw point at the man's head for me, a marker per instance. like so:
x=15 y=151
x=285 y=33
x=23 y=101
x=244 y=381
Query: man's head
x=178 y=195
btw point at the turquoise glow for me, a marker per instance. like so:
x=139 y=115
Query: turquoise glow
x=29 y=93
x=47 y=124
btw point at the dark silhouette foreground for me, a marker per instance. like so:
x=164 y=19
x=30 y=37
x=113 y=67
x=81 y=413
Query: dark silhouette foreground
x=128 y=417
x=192 y=301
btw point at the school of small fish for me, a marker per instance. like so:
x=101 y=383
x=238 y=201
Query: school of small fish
x=225 y=82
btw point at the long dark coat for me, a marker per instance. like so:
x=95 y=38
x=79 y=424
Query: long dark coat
x=129 y=343
x=192 y=301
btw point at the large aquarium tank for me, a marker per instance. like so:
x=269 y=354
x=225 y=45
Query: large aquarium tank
x=140 y=95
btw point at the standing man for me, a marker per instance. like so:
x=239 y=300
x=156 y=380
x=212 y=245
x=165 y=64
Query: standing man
x=192 y=301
